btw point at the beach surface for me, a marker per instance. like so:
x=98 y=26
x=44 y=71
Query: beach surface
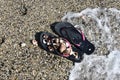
x=19 y=22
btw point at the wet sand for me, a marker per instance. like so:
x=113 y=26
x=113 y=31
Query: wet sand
x=19 y=21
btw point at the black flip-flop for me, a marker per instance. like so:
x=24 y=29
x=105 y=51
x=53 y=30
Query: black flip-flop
x=77 y=38
x=39 y=39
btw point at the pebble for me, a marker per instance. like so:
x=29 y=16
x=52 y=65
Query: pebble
x=22 y=44
x=2 y=40
x=23 y=10
x=34 y=42
x=34 y=72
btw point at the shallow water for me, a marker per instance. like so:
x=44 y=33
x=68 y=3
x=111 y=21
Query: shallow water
x=104 y=33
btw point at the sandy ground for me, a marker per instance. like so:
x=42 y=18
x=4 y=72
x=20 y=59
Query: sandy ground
x=19 y=21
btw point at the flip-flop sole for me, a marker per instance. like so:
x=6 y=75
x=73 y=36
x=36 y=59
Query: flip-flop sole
x=39 y=38
x=69 y=32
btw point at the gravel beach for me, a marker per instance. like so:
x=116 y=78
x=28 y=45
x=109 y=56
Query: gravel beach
x=19 y=22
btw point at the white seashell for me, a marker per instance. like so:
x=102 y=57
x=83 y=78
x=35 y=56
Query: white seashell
x=23 y=44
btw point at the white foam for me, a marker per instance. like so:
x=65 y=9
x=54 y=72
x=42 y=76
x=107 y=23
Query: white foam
x=95 y=67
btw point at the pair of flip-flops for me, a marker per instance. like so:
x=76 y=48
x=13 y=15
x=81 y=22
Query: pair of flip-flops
x=76 y=38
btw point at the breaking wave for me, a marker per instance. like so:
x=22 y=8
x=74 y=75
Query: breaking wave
x=101 y=26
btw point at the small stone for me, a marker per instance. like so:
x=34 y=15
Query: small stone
x=2 y=40
x=22 y=44
x=34 y=42
x=23 y=10
x=34 y=72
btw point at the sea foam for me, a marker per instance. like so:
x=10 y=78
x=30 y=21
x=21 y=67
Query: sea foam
x=98 y=67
